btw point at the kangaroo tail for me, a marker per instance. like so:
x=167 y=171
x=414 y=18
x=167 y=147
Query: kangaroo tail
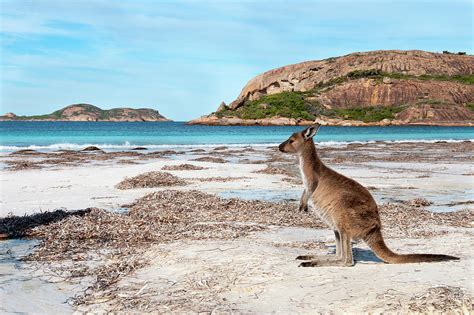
x=375 y=240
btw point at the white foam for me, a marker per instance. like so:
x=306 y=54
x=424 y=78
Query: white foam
x=128 y=146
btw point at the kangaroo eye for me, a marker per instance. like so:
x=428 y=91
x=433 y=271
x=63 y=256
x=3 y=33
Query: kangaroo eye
x=291 y=141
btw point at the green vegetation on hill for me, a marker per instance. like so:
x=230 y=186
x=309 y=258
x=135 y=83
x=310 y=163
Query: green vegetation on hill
x=285 y=104
x=369 y=114
x=378 y=74
x=295 y=105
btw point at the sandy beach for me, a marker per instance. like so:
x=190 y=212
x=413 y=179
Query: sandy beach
x=217 y=230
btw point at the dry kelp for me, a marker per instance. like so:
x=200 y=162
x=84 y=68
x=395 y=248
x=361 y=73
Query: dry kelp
x=210 y=159
x=275 y=171
x=404 y=220
x=104 y=246
x=150 y=180
x=183 y=167
x=17 y=165
x=434 y=300
x=441 y=300
x=116 y=241
x=418 y=202
x=18 y=226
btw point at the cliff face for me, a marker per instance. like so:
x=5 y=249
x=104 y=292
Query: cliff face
x=408 y=80
x=87 y=112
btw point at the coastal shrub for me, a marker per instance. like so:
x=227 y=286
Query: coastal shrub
x=285 y=104
x=369 y=114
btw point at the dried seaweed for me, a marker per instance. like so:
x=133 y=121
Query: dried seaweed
x=275 y=171
x=210 y=159
x=117 y=241
x=442 y=299
x=404 y=220
x=183 y=167
x=418 y=202
x=17 y=165
x=149 y=180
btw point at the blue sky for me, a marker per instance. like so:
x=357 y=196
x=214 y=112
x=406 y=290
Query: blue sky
x=185 y=57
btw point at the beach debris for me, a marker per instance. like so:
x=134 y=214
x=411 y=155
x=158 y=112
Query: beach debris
x=18 y=226
x=26 y=152
x=150 y=180
x=139 y=148
x=275 y=171
x=210 y=159
x=170 y=152
x=17 y=165
x=183 y=167
x=197 y=150
x=221 y=148
x=434 y=300
x=403 y=220
x=418 y=202
x=118 y=242
x=127 y=161
x=91 y=148
x=442 y=299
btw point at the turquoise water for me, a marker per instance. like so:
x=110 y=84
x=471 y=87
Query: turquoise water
x=123 y=135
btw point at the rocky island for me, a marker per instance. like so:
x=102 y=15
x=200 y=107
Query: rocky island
x=390 y=87
x=87 y=112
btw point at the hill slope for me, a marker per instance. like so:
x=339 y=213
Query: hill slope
x=87 y=112
x=378 y=87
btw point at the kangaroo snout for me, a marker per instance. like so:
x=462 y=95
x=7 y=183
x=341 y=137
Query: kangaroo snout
x=281 y=147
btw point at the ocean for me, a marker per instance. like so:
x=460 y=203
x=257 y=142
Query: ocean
x=46 y=135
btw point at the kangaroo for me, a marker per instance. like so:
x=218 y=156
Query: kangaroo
x=344 y=205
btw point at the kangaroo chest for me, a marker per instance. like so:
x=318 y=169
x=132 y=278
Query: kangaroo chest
x=314 y=201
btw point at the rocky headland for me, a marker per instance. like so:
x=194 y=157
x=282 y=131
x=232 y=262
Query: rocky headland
x=372 y=88
x=87 y=112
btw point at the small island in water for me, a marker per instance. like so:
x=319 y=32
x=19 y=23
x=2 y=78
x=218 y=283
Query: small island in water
x=390 y=87
x=87 y=112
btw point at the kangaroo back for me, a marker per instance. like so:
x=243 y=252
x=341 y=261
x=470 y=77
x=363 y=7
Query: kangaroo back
x=375 y=240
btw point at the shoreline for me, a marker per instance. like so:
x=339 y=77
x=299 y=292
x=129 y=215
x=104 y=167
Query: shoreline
x=157 y=147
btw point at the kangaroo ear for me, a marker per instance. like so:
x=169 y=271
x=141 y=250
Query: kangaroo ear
x=310 y=132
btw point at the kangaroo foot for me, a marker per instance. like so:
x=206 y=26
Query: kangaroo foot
x=314 y=257
x=334 y=262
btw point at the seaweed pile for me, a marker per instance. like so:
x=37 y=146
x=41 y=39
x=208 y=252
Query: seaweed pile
x=183 y=167
x=150 y=180
x=115 y=243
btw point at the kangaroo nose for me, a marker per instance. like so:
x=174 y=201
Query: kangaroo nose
x=280 y=147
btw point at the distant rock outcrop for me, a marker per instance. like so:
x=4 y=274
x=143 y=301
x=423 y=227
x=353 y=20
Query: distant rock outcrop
x=399 y=87
x=87 y=112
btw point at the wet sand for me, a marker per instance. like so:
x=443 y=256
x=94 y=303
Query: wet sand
x=252 y=270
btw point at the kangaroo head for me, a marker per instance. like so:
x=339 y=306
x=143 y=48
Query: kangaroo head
x=296 y=142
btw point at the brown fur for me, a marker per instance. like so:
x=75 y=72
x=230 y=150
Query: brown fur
x=345 y=205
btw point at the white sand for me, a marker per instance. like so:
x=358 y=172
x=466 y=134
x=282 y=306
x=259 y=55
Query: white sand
x=252 y=274
x=30 y=191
